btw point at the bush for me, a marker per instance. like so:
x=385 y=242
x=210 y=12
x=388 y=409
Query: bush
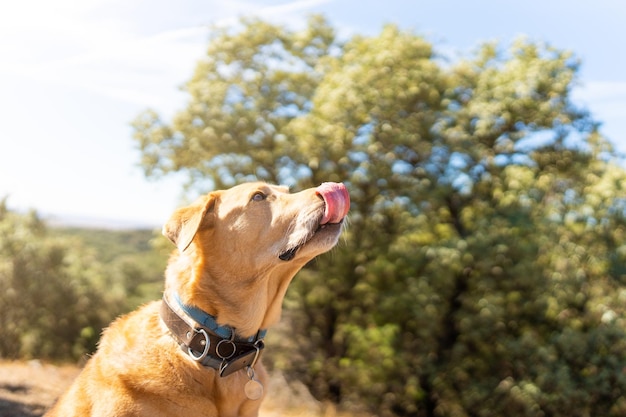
x=55 y=293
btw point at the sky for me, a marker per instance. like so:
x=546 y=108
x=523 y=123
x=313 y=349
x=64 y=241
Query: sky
x=75 y=73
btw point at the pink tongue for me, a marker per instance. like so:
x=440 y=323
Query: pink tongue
x=337 y=201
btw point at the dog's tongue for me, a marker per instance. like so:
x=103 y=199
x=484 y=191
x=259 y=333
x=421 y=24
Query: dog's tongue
x=337 y=201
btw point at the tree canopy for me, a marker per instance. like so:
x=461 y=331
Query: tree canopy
x=482 y=270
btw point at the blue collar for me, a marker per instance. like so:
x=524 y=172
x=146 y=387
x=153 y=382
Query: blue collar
x=207 y=320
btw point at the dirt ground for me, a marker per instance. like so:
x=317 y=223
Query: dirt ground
x=28 y=389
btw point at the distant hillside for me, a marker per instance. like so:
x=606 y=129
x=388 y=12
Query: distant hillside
x=135 y=259
x=111 y=244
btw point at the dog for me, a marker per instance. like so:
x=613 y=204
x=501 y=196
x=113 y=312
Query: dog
x=198 y=350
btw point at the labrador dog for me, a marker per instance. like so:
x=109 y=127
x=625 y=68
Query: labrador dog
x=197 y=352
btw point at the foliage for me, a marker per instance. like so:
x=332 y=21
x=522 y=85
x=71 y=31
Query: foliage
x=242 y=95
x=57 y=292
x=482 y=271
x=46 y=290
x=134 y=259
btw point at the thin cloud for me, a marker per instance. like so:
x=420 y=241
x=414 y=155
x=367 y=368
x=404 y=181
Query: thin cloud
x=117 y=63
x=292 y=7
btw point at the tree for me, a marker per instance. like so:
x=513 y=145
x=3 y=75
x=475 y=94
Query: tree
x=54 y=297
x=242 y=95
x=482 y=267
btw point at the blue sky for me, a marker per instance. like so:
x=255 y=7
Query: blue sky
x=74 y=73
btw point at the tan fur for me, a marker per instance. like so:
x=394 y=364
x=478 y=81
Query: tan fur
x=226 y=264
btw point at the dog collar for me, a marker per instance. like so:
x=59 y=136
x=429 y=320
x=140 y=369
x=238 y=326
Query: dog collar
x=204 y=341
x=207 y=320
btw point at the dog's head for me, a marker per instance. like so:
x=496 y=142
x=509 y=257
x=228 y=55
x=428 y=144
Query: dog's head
x=252 y=239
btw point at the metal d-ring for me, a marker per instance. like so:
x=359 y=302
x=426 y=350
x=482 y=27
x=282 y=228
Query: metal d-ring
x=207 y=344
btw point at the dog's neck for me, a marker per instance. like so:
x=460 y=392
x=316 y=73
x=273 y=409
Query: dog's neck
x=246 y=304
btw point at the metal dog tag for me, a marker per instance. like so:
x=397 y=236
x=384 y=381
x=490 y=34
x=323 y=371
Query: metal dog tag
x=253 y=388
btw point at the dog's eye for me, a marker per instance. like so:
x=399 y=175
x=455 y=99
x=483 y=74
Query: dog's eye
x=258 y=196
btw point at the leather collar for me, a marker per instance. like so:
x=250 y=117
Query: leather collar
x=199 y=336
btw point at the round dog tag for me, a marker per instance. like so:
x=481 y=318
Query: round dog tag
x=253 y=389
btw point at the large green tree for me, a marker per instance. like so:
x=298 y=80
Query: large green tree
x=482 y=267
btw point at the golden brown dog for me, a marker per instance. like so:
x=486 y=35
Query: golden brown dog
x=196 y=352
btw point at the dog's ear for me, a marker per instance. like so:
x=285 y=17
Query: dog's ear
x=185 y=222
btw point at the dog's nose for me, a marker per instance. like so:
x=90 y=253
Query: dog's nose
x=336 y=199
